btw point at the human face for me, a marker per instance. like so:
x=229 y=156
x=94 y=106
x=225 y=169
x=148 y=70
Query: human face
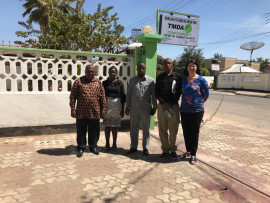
x=112 y=74
x=141 y=69
x=89 y=72
x=167 y=65
x=192 y=69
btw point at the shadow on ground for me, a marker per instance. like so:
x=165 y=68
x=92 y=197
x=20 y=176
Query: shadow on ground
x=71 y=150
x=139 y=155
x=68 y=150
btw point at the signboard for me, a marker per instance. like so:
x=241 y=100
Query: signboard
x=179 y=31
x=135 y=32
x=215 y=67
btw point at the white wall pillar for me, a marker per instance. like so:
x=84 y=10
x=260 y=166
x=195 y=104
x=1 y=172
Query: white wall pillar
x=266 y=82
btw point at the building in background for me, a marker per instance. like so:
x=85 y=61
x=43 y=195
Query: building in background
x=218 y=65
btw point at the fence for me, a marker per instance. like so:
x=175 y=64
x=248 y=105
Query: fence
x=244 y=81
x=27 y=74
x=49 y=71
x=35 y=84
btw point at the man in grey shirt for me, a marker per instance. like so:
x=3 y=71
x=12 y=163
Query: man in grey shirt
x=140 y=98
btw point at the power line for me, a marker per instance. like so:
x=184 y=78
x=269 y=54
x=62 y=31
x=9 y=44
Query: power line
x=240 y=33
x=230 y=40
x=152 y=17
x=145 y=19
x=222 y=4
x=258 y=23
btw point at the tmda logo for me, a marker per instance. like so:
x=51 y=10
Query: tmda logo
x=187 y=28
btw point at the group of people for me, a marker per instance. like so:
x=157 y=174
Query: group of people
x=91 y=100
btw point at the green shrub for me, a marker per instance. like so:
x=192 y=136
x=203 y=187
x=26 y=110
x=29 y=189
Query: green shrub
x=205 y=72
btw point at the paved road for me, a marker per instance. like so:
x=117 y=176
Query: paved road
x=244 y=109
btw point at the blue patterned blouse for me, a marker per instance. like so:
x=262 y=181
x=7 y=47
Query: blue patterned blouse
x=194 y=95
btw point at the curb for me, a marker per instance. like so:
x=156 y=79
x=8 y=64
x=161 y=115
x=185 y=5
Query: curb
x=50 y=129
x=37 y=130
x=243 y=93
x=252 y=95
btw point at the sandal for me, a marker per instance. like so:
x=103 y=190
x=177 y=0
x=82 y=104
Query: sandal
x=185 y=155
x=193 y=160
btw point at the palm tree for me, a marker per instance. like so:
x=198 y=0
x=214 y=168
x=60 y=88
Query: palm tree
x=41 y=11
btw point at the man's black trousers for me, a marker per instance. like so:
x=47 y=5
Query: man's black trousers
x=191 y=128
x=93 y=128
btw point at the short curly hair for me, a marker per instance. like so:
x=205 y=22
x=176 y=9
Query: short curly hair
x=111 y=68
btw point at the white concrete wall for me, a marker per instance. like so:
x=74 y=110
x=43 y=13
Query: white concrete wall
x=21 y=107
x=209 y=79
x=20 y=110
x=244 y=81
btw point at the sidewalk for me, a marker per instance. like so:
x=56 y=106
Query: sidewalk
x=45 y=169
x=245 y=93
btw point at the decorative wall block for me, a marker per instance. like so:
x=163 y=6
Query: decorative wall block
x=37 y=71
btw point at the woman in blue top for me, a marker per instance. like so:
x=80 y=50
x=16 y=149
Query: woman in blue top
x=195 y=92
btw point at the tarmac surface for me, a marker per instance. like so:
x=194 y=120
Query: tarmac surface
x=233 y=166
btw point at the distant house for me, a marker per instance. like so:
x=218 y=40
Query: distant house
x=240 y=68
x=226 y=62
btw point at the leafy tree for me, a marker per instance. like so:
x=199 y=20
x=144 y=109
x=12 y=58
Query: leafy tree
x=73 y=29
x=160 y=61
x=205 y=72
x=217 y=56
x=190 y=53
x=263 y=62
x=175 y=64
x=40 y=11
x=31 y=34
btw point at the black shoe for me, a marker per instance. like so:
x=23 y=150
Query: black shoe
x=94 y=150
x=145 y=152
x=164 y=155
x=79 y=153
x=114 y=147
x=131 y=151
x=107 y=147
x=174 y=155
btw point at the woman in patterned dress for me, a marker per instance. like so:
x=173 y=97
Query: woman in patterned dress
x=194 y=93
x=116 y=98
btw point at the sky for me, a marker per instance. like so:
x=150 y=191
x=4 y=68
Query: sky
x=224 y=24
